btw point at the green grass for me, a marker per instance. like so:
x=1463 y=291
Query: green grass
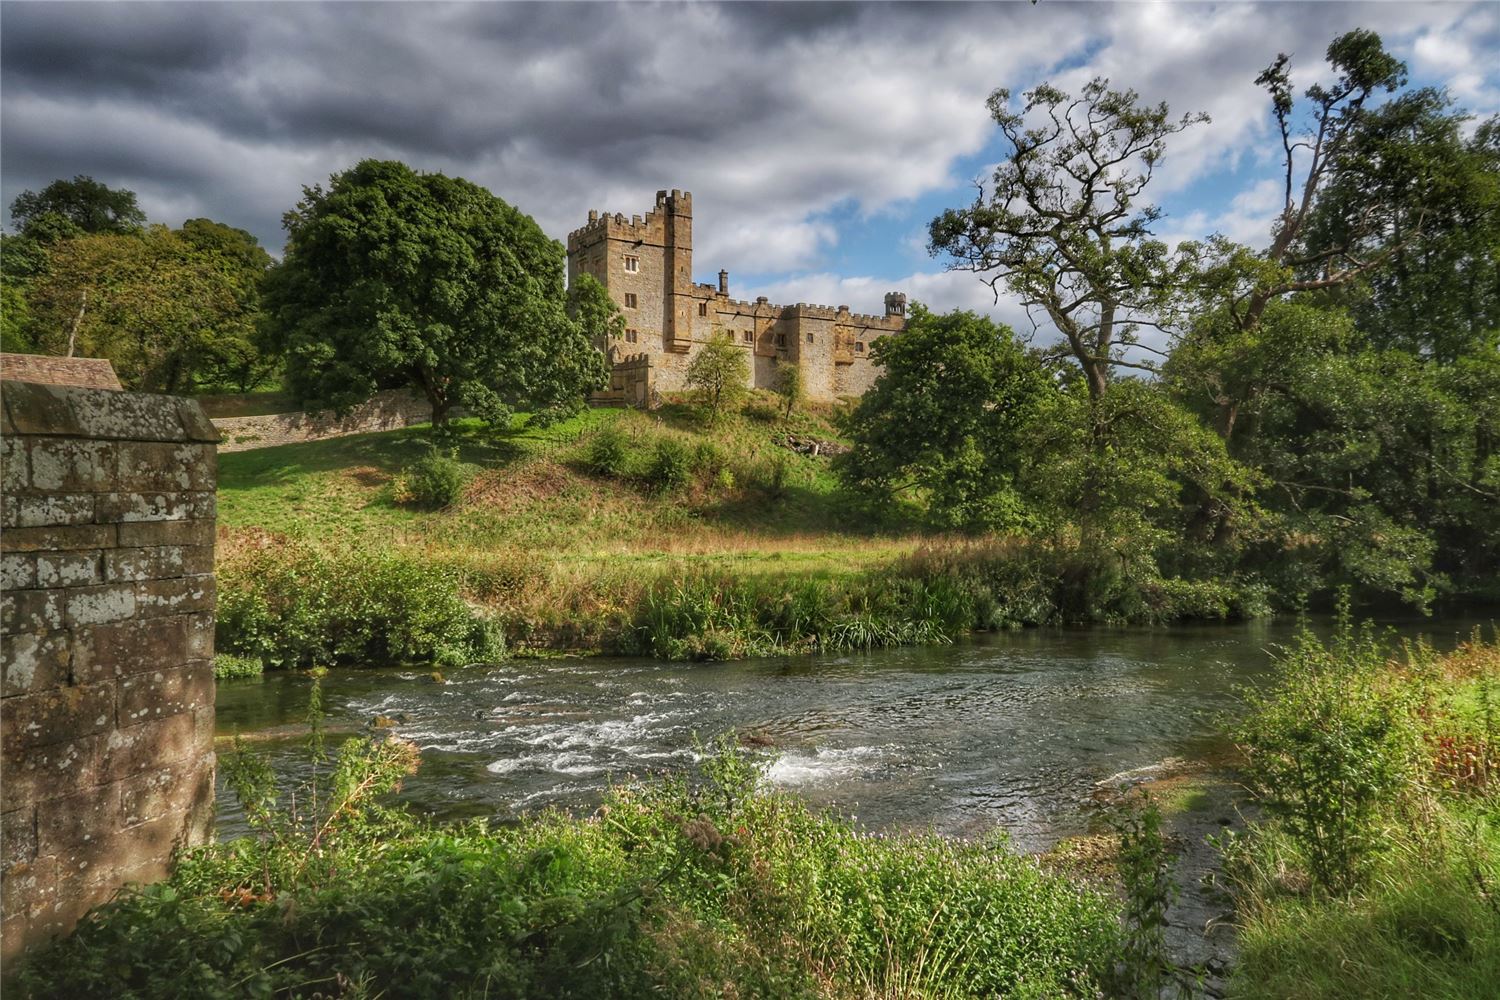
x=696 y=890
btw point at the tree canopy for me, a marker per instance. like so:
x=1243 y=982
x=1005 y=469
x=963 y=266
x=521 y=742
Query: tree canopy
x=79 y=205
x=393 y=277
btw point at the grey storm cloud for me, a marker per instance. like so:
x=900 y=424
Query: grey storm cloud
x=771 y=114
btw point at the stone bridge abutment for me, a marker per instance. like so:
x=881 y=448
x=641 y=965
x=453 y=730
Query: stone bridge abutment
x=107 y=527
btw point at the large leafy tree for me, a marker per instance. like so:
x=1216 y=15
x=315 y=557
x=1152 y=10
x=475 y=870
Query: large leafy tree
x=1063 y=225
x=235 y=358
x=78 y=205
x=393 y=277
x=948 y=419
x=151 y=302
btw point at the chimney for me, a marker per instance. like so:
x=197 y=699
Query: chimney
x=723 y=282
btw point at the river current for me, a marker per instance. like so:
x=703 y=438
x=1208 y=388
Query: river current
x=1017 y=731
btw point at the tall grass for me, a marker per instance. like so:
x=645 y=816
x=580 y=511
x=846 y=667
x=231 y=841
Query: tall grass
x=704 y=888
x=1376 y=872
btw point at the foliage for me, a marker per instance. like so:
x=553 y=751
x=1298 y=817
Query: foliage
x=1329 y=744
x=1425 y=918
x=435 y=480
x=720 y=372
x=81 y=205
x=172 y=316
x=671 y=465
x=295 y=605
x=609 y=453
x=1145 y=868
x=949 y=416
x=1061 y=226
x=394 y=277
x=790 y=385
x=596 y=314
x=693 y=889
x=228 y=667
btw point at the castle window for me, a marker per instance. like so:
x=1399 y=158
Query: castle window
x=630 y=300
x=703 y=309
x=632 y=264
x=749 y=337
x=631 y=336
x=809 y=338
x=781 y=340
x=859 y=347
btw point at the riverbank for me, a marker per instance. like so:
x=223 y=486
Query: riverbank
x=626 y=532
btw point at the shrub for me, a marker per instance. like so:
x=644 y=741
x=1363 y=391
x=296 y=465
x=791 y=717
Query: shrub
x=671 y=465
x=228 y=666
x=609 y=453
x=1327 y=744
x=294 y=605
x=720 y=372
x=435 y=480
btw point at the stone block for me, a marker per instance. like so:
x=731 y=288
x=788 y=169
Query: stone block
x=68 y=569
x=177 y=790
x=159 y=693
x=15 y=474
x=195 y=423
x=200 y=636
x=51 y=539
x=176 y=596
x=42 y=409
x=17 y=571
x=151 y=746
x=135 y=565
x=44 y=509
x=30 y=611
x=148 y=533
x=62 y=715
x=130 y=647
x=75 y=826
x=151 y=466
x=72 y=465
x=35 y=661
x=100 y=605
x=17 y=836
x=130 y=416
x=122 y=507
x=29 y=888
x=43 y=773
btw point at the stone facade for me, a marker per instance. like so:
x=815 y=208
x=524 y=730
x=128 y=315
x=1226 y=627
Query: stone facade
x=390 y=410
x=106 y=642
x=646 y=264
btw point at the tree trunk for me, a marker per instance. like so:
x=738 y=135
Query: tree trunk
x=83 y=302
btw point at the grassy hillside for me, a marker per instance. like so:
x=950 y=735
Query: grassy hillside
x=629 y=531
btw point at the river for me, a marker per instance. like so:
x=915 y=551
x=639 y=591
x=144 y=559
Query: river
x=1017 y=730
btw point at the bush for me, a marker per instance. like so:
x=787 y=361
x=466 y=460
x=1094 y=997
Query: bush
x=435 y=480
x=671 y=465
x=228 y=666
x=299 y=606
x=1329 y=743
x=609 y=453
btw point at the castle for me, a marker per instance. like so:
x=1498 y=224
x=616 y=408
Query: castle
x=646 y=265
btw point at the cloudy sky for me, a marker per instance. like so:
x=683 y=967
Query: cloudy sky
x=818 y=140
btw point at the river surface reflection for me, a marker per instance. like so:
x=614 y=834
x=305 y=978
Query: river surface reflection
x=1015 y=730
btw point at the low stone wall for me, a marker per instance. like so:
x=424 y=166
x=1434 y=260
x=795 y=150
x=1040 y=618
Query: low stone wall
x=386 y=411
x=107 y=703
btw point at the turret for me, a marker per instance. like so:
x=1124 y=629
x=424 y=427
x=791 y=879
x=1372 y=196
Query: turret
x=895 y=303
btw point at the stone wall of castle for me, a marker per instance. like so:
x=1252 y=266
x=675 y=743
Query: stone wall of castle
x=107 y=614
x=645 y=263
